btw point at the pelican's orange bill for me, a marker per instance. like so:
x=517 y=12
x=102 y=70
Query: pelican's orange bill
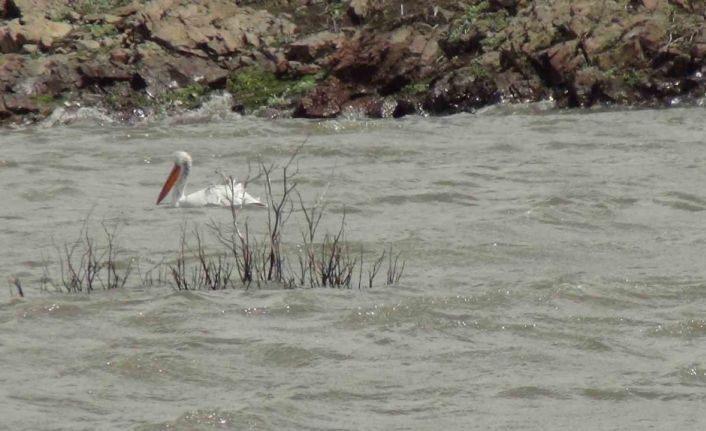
x=171 y=179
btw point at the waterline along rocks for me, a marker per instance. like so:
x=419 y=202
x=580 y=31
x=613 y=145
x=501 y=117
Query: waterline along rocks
x=324 y=58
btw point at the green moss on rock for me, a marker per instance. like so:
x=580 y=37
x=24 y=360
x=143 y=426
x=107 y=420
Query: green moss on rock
x=189 y=97
x=635 y=78
x=45 y=103
x=415 y=88
x=87 y=7
x=254 y=87
x=97 y=30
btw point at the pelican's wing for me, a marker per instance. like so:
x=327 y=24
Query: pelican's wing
x=213 y=195
x=221 y=195
x=241 y=197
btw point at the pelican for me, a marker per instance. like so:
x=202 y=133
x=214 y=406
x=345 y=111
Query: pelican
x=222 y=195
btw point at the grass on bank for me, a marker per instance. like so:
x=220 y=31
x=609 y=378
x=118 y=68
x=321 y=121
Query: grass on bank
x=253 y=87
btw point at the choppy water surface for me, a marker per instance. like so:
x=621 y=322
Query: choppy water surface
x=555 y=278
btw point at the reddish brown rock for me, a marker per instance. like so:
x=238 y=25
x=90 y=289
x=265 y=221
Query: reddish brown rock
x=580 y=51
x=359 y=59
x=698 y=51
x=296 y=68
x=654 y=4
x=120 y=55
x=674 y=63
x=11 y=69
x=587 y=87
x=464 y=89
x=652 y=33
x=509 y=5
x=694 y=6
x=358 y=10
x=644 y=39
x=162 y=71
x=103 y=72
x=380 y=107
x=56 y=75
x=560 y=62
x=584 y=17
x=39 y=7
x=212 y=27
x=601 y=40
x=467 y=43
x=16 y=104
x=312 y=47
x=127 y=10
x=369 y=106
x=386 y=61
x=4 y=112
x=196 y=70
x=9 y=10
x=518 y=88
x=325 y=101
x=35 y=30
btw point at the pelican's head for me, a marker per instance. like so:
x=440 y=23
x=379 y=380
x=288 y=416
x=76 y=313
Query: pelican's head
x=182 y=165
x=182 y=158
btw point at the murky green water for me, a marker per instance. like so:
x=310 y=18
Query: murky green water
x=555 y=278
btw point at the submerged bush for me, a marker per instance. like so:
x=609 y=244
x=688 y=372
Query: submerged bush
x=86 y=265
x=234 y=257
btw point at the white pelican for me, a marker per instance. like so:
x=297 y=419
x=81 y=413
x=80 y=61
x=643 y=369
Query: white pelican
x=222 y=195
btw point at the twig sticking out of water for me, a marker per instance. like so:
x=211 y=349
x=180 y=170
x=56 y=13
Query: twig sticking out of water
x=336 y=264
x=394 y=268
x=320 y=261
x=208 y=272
x=114 y=279
x=307 y=255
x=373 y=272
x=46 y=279
x=178 y=270
x=232 y=238
x=18 y=286
x=279 y=211
x=84 y=264
x=149 y=279
x=212 y=273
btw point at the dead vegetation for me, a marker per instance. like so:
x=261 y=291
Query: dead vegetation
x=318 y=261
x=86 y=265
x=228 y=254
x=14 y=281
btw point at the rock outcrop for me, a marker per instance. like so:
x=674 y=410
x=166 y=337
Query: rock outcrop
x=213 y=28
x=321 y=59
x=36 y=31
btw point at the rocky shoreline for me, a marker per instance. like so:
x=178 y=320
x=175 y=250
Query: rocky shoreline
x=322 y=58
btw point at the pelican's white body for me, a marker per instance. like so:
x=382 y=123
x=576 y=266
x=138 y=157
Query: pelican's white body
x=221 y=195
